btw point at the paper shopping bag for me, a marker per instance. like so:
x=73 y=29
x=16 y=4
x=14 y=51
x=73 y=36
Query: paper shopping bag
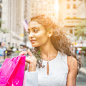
x=12 y=71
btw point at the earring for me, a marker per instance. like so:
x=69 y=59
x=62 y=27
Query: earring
x=49 y=35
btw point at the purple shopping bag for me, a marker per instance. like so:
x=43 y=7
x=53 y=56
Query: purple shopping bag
x=12 y=71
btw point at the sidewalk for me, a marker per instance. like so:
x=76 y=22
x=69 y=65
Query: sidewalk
x=1 y=59
x=82 y=71
x=1 y=62
x=11 y=56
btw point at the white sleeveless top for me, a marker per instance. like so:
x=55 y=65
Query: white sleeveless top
x=58 y=70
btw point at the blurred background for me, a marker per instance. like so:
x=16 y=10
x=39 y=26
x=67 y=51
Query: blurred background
x=69 y=15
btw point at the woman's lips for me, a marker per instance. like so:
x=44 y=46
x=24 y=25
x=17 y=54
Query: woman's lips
x=32 y=41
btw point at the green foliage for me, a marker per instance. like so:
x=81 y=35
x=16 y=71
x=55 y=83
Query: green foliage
x=80 y=30
x=17 y=51
x=4 y=30
x=11 y=47
x=1 y=21
x=83 y=48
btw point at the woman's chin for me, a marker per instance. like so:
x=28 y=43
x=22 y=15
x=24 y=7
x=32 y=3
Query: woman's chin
x=33 y=45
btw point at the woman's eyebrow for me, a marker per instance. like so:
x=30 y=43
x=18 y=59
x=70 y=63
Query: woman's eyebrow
x=34 y=27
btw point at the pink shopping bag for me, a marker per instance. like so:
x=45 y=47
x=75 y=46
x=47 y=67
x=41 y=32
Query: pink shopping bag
x=12 y=71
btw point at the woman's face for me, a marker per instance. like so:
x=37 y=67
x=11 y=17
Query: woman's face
x=37 y=34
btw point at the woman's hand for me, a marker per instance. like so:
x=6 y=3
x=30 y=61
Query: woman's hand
x=31 y=60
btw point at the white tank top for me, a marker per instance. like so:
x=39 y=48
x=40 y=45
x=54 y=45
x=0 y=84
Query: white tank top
x=58 y=70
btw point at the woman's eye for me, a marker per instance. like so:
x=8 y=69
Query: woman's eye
x=35 y=30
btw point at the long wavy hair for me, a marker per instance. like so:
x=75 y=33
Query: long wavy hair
x=59 y=39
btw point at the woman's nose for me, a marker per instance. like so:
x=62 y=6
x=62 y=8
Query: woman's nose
x=30 y=34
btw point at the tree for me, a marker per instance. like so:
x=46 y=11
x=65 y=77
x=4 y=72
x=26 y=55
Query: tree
x=80 y=31
x=4 y=30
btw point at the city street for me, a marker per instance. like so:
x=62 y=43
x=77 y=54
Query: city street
x=81 y=78
x=45 y=26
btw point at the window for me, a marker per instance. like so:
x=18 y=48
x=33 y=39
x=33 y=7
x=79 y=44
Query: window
x=45 y=9
x=74 y=15
x=68 y=21
x=49 y=14
x=36 y=9
x=68 y=15
x=25 y=1
x=74 y=6
x=74 y=31
x=49 y=6
x=32 y=14
x=52 y=9
x=53 y=14
x=8 y=44
x=68 y=6
x=12 y=44
x=77 y=21
x=52 y=2
x=48 y=2
x=32 y=9
x=71 y=31
x=49 y=9
x=40 y=9
x=72 y=21
x=32 y=5
x=16 y=45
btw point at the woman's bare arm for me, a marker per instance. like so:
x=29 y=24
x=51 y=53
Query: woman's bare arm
x=26 y=64
x=73 y=69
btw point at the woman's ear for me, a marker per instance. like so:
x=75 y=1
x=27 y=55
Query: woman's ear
x=50 y=32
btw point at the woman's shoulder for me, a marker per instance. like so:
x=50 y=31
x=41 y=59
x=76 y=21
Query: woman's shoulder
x=72 y=62
x=62 y=54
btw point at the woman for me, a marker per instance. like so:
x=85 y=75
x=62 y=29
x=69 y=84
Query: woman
x=1 y=52
x=52 y=62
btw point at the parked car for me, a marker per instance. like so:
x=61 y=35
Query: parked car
x=9 y=52
x=14 y=49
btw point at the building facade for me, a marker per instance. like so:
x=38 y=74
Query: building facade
x=12 y=16
x=36 y=7
x=14 y=12
x=0 y=19
x=81 y=10
x=70 y=16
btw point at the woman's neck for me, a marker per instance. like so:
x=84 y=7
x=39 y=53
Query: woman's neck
x=48 y=52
